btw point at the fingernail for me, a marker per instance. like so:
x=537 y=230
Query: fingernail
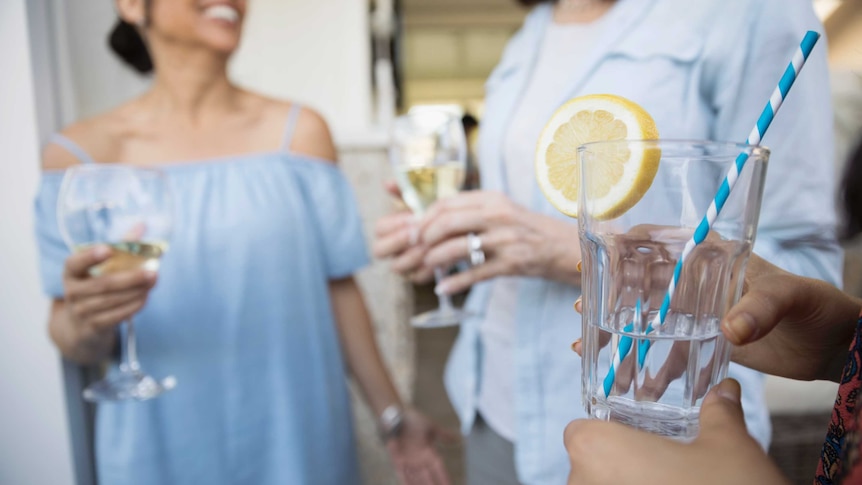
x=101 y=251
x=443 y=288
x=579 y=305
x=729 y=389
x=579 y=267
x=741 y=327
x=575 y=345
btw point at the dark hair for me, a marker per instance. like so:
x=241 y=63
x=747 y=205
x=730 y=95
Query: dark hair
x=469 y=121
x=851 y=195
x=129 y=45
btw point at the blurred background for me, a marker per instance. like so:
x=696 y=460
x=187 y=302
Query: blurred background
x=359 y=63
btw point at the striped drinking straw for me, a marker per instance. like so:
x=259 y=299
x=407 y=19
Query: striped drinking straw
x=625 y=344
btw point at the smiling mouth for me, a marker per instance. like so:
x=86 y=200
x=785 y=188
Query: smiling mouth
x=225 y=13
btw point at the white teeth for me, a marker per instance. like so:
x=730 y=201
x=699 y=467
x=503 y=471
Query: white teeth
x=222 y=12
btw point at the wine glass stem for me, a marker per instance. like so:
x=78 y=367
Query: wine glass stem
x=130 y=349
x=444 y=300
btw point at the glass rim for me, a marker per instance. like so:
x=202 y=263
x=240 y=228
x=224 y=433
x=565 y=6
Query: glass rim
x=758 y=151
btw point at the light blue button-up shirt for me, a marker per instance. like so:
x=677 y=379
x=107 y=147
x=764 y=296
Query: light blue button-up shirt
x=704 y=70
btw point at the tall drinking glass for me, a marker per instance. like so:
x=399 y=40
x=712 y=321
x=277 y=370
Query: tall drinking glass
x=129 y=210
x=428 y=152
x=647 y=375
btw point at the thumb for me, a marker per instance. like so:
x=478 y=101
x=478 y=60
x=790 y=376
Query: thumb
x=721 y=410
x=768 y=300
x=79 y=263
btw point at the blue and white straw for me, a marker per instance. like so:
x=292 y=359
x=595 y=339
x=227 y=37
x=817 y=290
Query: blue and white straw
x=754 y=138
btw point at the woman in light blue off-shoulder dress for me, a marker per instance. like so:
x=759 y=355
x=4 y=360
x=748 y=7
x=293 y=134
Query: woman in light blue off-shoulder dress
x=254 y=310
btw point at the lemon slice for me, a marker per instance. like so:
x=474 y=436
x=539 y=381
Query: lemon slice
x=627 y=173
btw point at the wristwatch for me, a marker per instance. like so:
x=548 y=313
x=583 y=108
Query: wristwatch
x=391 y=422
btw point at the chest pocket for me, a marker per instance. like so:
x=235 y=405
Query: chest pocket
x=662 y=73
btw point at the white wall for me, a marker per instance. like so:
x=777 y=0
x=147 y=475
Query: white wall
x=95 y=80
x=316 y=52
x=34 y=441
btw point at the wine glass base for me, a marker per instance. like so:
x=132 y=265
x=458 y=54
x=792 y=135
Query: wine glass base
x=439 y=318
x=128 y=385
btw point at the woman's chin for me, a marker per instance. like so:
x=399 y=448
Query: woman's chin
x=222 y=46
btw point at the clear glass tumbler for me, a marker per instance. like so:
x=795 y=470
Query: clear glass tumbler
x=636 y=371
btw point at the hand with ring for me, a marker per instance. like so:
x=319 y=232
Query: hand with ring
x=498 y=238
x=474 y=248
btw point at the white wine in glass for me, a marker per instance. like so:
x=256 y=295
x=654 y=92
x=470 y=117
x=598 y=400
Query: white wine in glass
x=129 y=256
x=429 y=156
x=129 y=210
x=421 y=187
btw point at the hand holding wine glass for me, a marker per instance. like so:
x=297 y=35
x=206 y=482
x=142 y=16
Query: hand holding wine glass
x=96 y=305
x=117 y=219
x=429 y=157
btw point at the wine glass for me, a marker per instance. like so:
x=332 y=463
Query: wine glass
x=428 y=152
x=129 y=210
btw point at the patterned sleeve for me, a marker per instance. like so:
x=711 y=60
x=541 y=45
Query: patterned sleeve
x=839 y=457
x=52 y=250
x=339 y=222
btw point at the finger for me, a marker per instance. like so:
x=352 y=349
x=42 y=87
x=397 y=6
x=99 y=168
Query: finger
x=437 y=471
x=402 y=475
x=578 y=347
x=109 y=283
x=474 y=199
x=98 y=304
x=451 y=223
x=627 y=371
x=579 y=305
x=416 y=474
x=592 y=445
x=396 y=242
x=721 y=410
x=465 y=279
x=394 y=222
x=672 y=367
x=409 y=261
x=447 y=253
x=423 y=477
x=422 y=275
x=392 y=188
x=78 y=264
x=767 y=302
x=114 y=316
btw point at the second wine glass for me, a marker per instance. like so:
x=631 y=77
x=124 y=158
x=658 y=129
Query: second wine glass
x=428 y=152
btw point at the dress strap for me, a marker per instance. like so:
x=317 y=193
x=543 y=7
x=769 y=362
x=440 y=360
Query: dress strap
x=72 y=147
x=290 y=127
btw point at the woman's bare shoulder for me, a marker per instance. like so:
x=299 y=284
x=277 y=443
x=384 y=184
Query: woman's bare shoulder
x=311 y=136
x=98 y=136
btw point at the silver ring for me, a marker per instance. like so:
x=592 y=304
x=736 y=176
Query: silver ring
x=474 y=248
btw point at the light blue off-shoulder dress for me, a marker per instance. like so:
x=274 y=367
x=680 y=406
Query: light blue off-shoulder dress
x=241 y=316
